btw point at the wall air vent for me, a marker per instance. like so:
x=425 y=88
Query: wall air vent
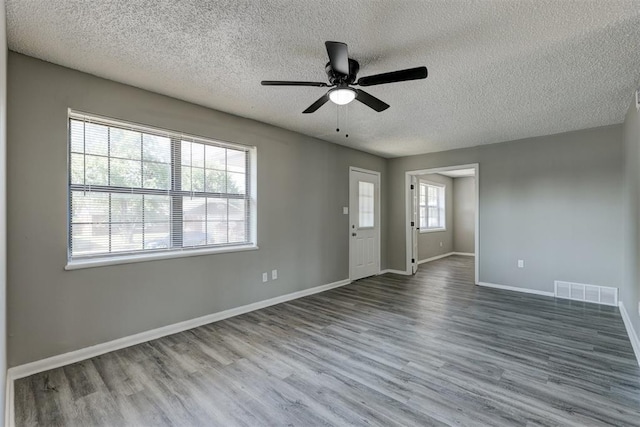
x=587 y=293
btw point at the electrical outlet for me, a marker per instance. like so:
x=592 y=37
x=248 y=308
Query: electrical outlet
x=265 y=277
x=274 y=274
x=440 y=244
x=520 y=263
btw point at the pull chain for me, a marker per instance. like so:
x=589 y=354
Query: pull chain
x=337 y=118
x=346 y=121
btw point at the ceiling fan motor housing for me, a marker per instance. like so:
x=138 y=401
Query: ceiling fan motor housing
x=336 y=78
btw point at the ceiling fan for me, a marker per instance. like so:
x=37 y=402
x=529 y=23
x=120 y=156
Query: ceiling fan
x=342 y=72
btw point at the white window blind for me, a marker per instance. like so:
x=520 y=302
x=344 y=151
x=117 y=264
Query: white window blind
x=135 y=189
x=432 y=206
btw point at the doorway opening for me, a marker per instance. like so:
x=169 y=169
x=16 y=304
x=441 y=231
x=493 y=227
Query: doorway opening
x=442 y=214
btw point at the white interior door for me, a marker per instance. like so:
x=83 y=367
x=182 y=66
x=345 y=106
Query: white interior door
x=364 y=224
x=415 y=225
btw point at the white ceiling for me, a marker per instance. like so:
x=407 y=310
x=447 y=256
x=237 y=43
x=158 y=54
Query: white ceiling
x=498 y=70
x=459 y=173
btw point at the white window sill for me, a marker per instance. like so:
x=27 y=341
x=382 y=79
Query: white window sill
x=128 y=259
x=432 y=230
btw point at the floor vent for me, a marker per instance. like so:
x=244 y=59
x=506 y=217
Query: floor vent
x=588 y=293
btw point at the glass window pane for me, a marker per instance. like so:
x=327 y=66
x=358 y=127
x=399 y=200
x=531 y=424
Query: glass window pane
x=87 y=207
x=77 y=168
x=194 y=209
x=156 y=148
x=236 y=183
x=157 y=235
x=192 y=179
x=365 y=204
x=215 y=157
x=126 y=173
x=126 y=208
x=96 y=139
x=192 y=154
x=156 y=175
x=126 y=237
x=157 y=208
x=217 y=209
x=237 y=209
x=194 y=233
x=76 y=136
x=216 y=181
x=197 y=155
x=97 y=170
x=236 y=161
x=125 y=143
x=185 y=153
x=217 y=232
x=237 y=232
x=89 y=239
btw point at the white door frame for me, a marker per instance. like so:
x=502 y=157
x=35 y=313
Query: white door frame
x=409 y=211
x=375 y=209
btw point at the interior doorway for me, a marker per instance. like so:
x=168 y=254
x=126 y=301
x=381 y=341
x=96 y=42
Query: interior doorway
x=442 y=214
x=364 y=223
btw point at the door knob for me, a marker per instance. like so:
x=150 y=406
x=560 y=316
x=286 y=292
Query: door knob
x=353 y=234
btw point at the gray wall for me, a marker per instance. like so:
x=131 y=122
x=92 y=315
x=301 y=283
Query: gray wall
x=302 y=187
x=464 y=214
x=630 y=292
x=429 y=243
x=554 y=201
x=3 y=199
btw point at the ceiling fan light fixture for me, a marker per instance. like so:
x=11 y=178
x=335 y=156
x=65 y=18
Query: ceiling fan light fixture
x=342 y=96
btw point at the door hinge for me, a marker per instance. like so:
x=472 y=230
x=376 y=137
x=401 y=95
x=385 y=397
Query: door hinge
x=413 y=224
x=413 y=260
x=412 y=186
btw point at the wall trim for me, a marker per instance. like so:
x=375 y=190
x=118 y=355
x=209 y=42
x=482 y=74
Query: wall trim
x=389 y=270
x=514 y=288
x=64 y=359
x=433 y=258
x=633 y=337
x=9 y=403
x=463 y=254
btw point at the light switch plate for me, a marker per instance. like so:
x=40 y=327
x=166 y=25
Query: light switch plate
x=520 y=263
x=274 y=274
x=265 y=277
x=345 y=210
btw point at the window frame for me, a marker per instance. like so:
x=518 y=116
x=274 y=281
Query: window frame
x=442 y=206
x=176 y=138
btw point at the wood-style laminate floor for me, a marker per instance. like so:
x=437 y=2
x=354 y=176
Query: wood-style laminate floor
x=432 y=349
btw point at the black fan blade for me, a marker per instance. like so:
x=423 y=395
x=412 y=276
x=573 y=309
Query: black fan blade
x=287 y=83
x=338 y=56
x=394 y=76
x=371 y=101
x=319 y=103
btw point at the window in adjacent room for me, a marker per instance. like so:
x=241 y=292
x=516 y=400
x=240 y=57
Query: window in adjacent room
x=432 y=207
x=137 y=190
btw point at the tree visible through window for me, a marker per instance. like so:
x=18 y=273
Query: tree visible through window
x=432 y=206
x=135 y=189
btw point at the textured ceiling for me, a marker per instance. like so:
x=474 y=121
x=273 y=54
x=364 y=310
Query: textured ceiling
x=498 y=70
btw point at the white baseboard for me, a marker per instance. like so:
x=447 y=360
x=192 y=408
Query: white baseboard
x=633 y=337
x=53 y=362
x=514 y=288
x=433 y=258
x=388 y=270
x=463 y=253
